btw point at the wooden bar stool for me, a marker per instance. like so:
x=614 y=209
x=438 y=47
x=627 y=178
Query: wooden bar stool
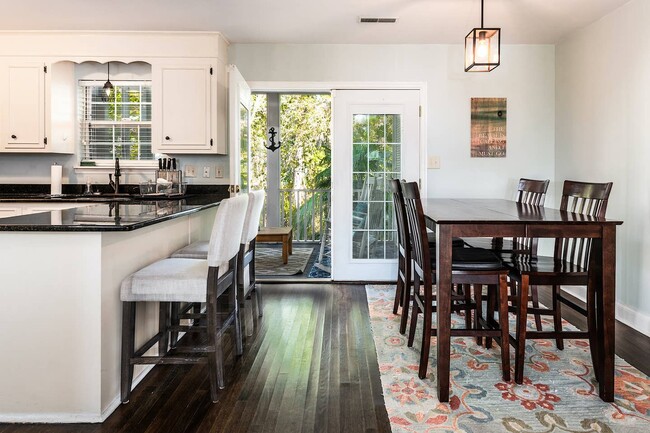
x=188 y=280
x=404 y=253
x=470 y=266
x=246 y=256
x=568 y=267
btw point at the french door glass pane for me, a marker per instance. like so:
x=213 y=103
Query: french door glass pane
x=376 y=150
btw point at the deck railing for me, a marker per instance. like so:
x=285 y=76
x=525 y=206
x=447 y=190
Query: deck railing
x=305 y=210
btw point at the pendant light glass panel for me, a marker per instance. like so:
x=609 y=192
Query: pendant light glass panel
x=482 y=50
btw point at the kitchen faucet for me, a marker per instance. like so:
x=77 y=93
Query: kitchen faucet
x=115 y=184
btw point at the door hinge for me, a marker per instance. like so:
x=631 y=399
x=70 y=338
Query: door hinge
x=211 y=142
x=420 y=111
x=45 y=140
x=210 y=70
x=45 y=69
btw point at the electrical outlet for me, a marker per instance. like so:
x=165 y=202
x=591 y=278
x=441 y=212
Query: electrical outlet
x=218 y=171
x=190 y=171
x=206 y=171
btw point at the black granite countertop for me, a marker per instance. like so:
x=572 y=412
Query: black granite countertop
x=121 y=213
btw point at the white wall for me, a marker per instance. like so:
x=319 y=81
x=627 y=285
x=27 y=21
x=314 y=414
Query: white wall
x=526 y=77
x=602 y=93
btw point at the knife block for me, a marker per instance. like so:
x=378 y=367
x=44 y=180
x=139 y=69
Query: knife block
x=173 y=176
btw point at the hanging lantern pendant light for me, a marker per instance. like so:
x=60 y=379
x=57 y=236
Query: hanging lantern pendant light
x=482 y=48
x=108 y=86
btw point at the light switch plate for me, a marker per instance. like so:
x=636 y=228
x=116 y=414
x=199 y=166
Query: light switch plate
x=433 y=161
x=218 y=171
x=206 y=171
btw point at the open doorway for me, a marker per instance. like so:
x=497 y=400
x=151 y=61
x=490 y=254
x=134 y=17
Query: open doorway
x=297 y=181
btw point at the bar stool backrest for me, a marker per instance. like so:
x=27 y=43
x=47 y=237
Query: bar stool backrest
x=227 y=230
x=588 y=199
x=253 y=215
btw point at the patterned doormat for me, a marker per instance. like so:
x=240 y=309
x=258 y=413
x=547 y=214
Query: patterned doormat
x=559 y=393
x=268 y=261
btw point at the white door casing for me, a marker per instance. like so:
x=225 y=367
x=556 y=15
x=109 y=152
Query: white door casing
x=239 y=108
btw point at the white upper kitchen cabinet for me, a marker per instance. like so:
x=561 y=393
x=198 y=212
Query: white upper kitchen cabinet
x=185 y=108
x=24 y=107
x=30 y=99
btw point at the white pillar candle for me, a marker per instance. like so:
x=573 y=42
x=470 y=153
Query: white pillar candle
x=56 y=177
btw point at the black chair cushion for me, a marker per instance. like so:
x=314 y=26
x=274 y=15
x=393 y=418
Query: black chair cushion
x=494 y=244
x=455 y=242
x=471 y=259
x=527 y=264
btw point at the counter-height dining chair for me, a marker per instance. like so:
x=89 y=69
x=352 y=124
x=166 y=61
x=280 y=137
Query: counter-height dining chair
x=470 y=266
x=568 y=267
x=529 y=192
x=246 y=257
x=404 y=253
x=172 y=280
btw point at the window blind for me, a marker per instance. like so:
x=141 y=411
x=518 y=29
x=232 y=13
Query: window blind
x=117 y=126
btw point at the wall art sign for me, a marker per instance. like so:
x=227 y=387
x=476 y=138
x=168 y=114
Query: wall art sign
x=488 y=128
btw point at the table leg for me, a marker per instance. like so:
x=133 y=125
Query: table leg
x=606 y=313
x=443 y=301
x=285 y=249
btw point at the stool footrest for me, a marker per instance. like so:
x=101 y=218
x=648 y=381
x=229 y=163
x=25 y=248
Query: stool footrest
x=168 y=360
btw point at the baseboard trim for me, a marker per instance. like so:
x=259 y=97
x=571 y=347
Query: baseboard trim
x=70 y=418
x=624 y=314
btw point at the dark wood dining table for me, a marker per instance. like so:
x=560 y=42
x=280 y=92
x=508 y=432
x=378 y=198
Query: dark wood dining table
x=503 y=218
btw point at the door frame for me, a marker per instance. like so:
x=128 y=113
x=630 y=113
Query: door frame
x=329 y=86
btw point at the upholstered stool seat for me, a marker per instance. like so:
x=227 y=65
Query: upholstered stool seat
x=168 y=280
x=195 y=250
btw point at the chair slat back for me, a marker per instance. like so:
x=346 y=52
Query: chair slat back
x=589 y=199
x=531 y=192
x=418 y=231
x=403 y=237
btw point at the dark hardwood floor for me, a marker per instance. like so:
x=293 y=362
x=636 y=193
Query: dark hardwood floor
x=310 y=367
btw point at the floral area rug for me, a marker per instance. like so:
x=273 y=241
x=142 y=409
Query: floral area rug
x=559 y=393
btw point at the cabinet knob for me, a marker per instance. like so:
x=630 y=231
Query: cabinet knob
x=13 y=136
x=167 y=138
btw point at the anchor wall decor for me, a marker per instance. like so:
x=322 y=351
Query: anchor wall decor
x=272 y=144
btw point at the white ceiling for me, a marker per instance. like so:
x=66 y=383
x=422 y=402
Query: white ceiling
x=315 y=21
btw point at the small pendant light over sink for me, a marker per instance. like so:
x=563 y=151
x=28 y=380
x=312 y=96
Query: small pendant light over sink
x=482 y=48
x=108 y=86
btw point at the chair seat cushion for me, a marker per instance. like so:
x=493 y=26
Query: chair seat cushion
x=195 y=250
x=471 y=259
x=494 y=244
x=527 y=264
x=455 y=242
x=168 y=280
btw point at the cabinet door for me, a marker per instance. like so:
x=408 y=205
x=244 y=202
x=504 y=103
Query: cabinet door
x=185 y=109
x=26 y=107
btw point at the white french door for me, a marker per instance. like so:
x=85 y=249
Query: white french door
x=376 y=138
x=239 y=126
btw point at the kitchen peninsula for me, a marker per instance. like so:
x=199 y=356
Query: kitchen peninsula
x=61 y=322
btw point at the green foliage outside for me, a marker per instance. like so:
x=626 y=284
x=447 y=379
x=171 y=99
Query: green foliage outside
x=305 y=154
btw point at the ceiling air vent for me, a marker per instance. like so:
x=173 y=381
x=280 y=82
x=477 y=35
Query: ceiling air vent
x=377 y=20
